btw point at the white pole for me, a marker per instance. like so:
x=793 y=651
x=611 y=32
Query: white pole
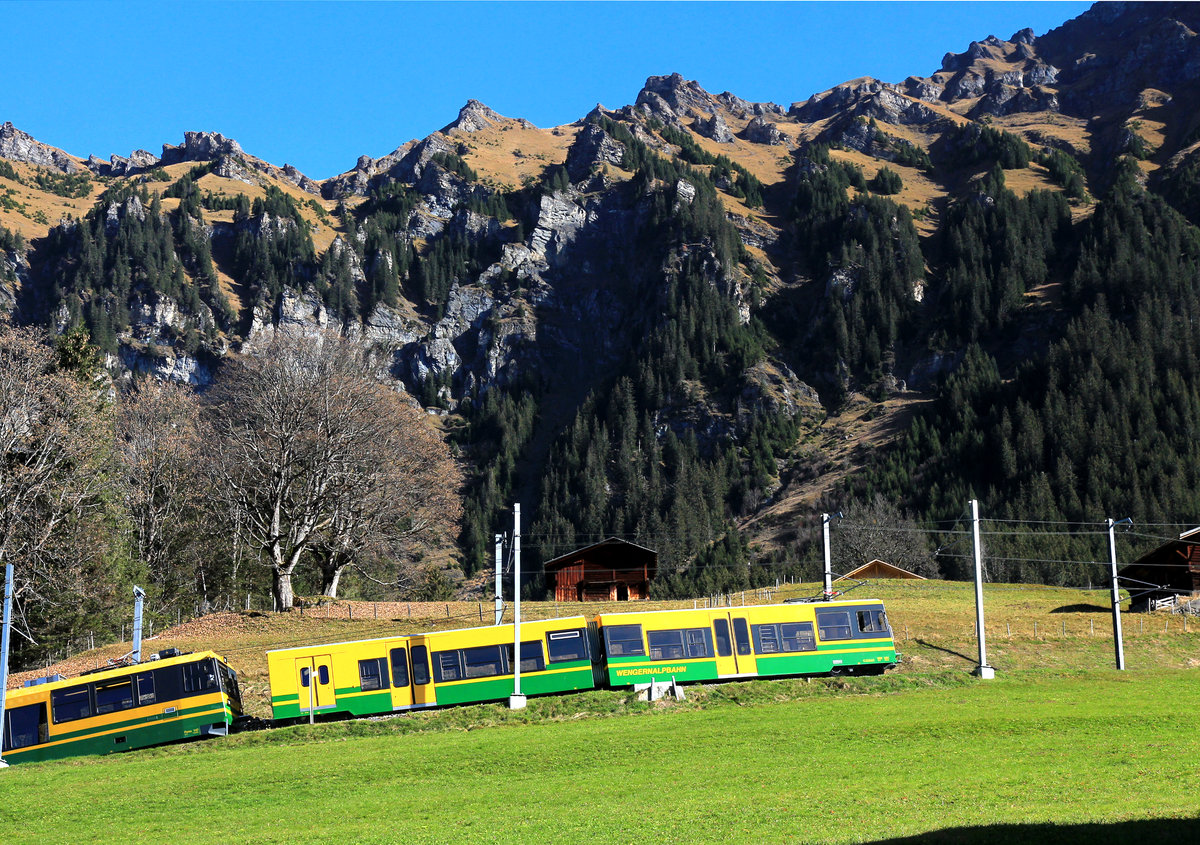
x=499 y=593
x=982 y=670
x=8 y=596
x=516 y=701
x=312 y=694
x=828 y=594
x=139 y=596
x=1118 y=640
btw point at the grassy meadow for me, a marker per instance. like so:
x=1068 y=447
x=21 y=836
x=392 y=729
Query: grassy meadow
x=1059 y=748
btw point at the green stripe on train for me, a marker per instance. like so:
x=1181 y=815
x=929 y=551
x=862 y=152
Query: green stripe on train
x=156 y=718
x=137 y=736
x=633 y=670
x=453 y=692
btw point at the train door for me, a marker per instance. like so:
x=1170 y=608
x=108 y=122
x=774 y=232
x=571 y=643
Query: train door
x=731 y=638
x=423 y=694
x=402 y=690
x=742 y=648
x=314 y=682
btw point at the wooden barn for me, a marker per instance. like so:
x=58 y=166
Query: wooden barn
x=1165 y=576
x=880 y=569
x=612 y=570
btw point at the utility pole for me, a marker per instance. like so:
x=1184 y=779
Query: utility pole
x=7 y=624
x=139 y=596
x=1118 y=640
x=982 y=670
x=827 y=593
x=499 y=591
x=516 y=701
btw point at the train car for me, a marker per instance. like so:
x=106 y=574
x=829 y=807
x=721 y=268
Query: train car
x=392 y=674
x=746 y=642
x=171 y=698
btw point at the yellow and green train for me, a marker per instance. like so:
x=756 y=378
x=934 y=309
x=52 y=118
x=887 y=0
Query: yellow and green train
x=184 y=696
x=746 y=642
x=173 y=697
x=563 y=655
x=429 y=670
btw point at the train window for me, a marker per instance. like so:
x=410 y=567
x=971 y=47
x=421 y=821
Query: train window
x=115 y=695
x=531 y=657
x=420 y=665
x=567 y=645
x=168 y=683
x=741 y=635
x=305 y=671
x=67 y=705
x=665 y=645
x=881 y=623
x=721 y=631
x=399 y=667
x=699 y=642
x=866 y=622
x=766 y=639
x=373 y=674
x=199 y=678
x=623 y=640
x=25 y=726
x=322 y=674
x=145 y=688
x=797 y=636
x=482 y=661
x=445 y=666
x=834 y=624
x=229 y=682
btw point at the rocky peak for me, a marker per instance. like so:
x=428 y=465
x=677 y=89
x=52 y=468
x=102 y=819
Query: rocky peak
x=681 y=97
x=473 y=117
x=16 y=145
x=201 y=146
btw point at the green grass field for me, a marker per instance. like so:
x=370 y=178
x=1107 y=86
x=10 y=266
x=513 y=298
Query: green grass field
x=1059 y=748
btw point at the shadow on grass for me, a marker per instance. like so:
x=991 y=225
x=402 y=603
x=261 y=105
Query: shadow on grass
x=1142 y=831
x=928 y=644
x=1082 y=608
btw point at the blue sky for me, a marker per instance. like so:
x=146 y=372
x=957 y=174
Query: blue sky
x=317 y=84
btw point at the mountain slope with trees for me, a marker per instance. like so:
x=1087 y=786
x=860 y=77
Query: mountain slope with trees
x=695 y=321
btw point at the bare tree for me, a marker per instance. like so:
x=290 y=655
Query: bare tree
x=880 y=530
x=55 y=477
x=316 y=457
x=158 y=440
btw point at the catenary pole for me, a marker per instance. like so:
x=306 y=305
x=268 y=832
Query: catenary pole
x=7 y=624
x=516 y=701
x=982 y=670
x=1118 y=640
x=499 y=591
x=827 y=593
x=139 y=596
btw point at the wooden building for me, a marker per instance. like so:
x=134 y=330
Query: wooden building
x=1165 y=576
x=880 y=569
x=612 y=570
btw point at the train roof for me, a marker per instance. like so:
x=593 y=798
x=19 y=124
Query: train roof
x=558 y=619
x=105 y=673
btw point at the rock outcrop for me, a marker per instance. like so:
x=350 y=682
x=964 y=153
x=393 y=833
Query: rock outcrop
x=16 y=145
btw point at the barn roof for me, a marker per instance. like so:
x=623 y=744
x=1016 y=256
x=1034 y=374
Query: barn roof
x=880 y=569
x=604 y=548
